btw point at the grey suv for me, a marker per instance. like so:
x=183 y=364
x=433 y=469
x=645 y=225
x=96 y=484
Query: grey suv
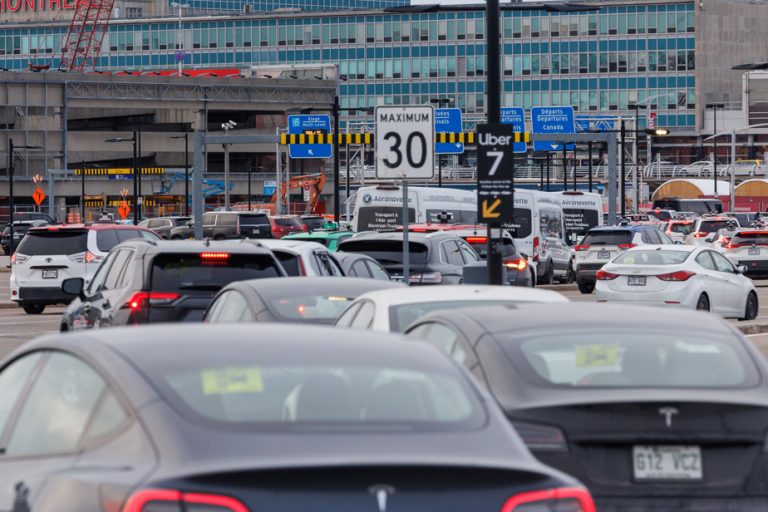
x=228 y=225
x=163 y=225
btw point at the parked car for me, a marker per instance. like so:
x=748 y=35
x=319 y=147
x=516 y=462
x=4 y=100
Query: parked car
x=313 y=300
x=20 y=229
x=48 y=255
x=313 y=222
x=163 y=225
x=393 y=310
x=521 y=271
x=166 y=281
x=215 y=418
x=359 y=265
x=704 y=229
x=435 y=258
x=30 y=216
x=748 y=248
x=304 y=258
x=283 y=225
x=330 y=239
x=228 y=225
x=687 y=276
x=652 y=409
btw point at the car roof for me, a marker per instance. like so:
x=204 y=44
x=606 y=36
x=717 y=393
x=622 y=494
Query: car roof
x=417 y=294
x=318 y=234
x=243 y=246
x=296 y=245
x=326 y=285
x=398 y=235
x=92 y=227
x=639 y=227
x=668 y=247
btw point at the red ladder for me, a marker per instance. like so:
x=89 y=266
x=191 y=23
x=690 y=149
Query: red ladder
x=83 y=40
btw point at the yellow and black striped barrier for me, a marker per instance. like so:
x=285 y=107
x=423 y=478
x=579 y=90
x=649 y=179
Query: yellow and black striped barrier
x=119 y=171
x=367 y=138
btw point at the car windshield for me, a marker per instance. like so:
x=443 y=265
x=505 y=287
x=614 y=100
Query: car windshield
x=388 y=252
x=106 y=239
x=710 y=226
x=758 y=238
x=45 y=243
x=283 y=221
x=683 y=228
x=208 y=272
x=607 y=237
x=652 y=257
x=301 y=305
x=181 y=221
x=634 y=357
x=354 y=391
x=402 y=315
x=254 y=220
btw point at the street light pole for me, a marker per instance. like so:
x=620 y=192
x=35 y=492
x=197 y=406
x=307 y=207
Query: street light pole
x=186 y=174
x=715 y=106
x=135 y=180
x=249 y=187
x=82 y=191
x=493 y=83
x=11 y=199
x=336 y=174
x=623 y=171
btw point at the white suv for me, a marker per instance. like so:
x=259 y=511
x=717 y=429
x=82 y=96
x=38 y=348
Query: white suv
x=48 y=255
x=705 y=229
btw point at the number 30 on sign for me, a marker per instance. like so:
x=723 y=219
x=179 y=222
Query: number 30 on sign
x=405 y=142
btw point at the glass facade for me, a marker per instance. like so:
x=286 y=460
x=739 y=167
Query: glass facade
x=213 y=6
x=597 y=61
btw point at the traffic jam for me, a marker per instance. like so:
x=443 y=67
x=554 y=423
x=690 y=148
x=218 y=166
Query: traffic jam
x=292 y=363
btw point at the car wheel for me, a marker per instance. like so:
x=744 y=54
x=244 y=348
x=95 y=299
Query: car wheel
x=586 y=287
x=218 y=237
x=63 y=328
x=533 y=279
x=571 y=275
x=548 y=275
x=33 y=309
x=703 y=303
x=750 y=310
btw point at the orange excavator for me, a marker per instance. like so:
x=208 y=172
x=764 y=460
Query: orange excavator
x=312 y=183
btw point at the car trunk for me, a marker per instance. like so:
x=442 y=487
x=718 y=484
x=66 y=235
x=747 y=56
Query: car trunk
x=254 y=226
x=662 y=448
x=641 y=278
x=45 y=258
x=368 y=488
x=389 y=253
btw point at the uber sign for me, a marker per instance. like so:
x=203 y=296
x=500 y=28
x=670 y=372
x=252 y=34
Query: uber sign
x=495 y=172
x=405 y=142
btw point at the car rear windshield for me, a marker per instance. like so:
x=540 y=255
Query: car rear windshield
x=608 y=237
x=317 y=390
x=254 y=220
x=289 y=261
x=388 y=252
x=685 y=229
x=45 y=243
x=206 y=272
x=710 y=226
x=314 y=223
x=632 y=357
x=287 y=222
x=759 y=238
x=480 y=245
x=521 y=226
x=661 y=214
x=301 y=305
x=402 y=315
x=106 y=239
x=652 y=257
x=181 y=221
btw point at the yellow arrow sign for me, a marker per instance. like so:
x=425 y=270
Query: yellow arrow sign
x=489 y=212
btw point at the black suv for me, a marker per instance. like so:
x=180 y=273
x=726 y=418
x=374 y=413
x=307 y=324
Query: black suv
x=20 y=229
x=163 y=225
x=436 y=258
x=228 y=225
x=146 y=282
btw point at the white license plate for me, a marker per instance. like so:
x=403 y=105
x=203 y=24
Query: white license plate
x=603 y=255
x=51 y=274
x=667 y=462
x=753 y=251
x=636 y=281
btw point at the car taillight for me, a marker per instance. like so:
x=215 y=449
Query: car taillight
x=700 y=234
x=564 y=499
x=535 y=248
x=426 y=278
x=680 y=275
x=142 y=501
x=516 y=264
x=582 y=247
x=477 y=239
x=626 y=246
x=541 y=437
x=92 y=258
x=305 y=228
x=141 y=300
x=602 y=275
x=19 y=258
x=214 y=256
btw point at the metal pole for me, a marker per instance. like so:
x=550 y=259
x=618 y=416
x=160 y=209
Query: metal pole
x=622 y=191
x=565 y=168
x=288 y=185
x=549 y=162
x=140 y=200
x=249 y=188
x=186 y=174
x=612 y=179
x=733 y=166
x=11 y=199
x=439 y=171
x=541 y=174
x=406 y=247
x=493 y=112
x=226 y=174
x=135 y=180
x=181 y=39
x=278 y=174
x=336 y=173
x=636 y=175
x=714 y=141
x=589 y=164
x=198 y=200
x=346 y=197
x=82 y=192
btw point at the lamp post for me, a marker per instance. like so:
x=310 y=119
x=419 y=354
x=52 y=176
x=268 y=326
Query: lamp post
x=714 y=106
x=180 y=56
x=136 y=171
x=229 y=125
x=186 y=170
x=623 y=132
x=636 y=176
x=11 y=198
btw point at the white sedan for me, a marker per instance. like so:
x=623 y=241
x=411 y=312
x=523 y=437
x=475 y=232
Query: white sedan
x=393 y=312
x=693 y=277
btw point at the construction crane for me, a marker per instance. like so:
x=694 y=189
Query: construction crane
x=82 y=42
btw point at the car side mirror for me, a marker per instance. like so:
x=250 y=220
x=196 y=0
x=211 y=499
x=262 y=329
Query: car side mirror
x=742 y=269
x=74 y=286
x=678 y=242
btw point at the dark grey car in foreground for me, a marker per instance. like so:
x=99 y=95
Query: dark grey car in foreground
x=296 y=418
x=652 y=410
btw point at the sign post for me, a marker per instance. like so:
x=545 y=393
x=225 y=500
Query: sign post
x=405 y=149
x=552 y=120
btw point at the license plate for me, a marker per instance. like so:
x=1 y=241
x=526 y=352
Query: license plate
x=603 y=255
x=636 y=281
x=667 y=462
x=51 y=274
x=753 y=251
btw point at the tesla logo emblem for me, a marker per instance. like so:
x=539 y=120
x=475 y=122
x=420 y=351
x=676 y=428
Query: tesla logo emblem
x=382 y=492
x=668 y=412
x=49 y=260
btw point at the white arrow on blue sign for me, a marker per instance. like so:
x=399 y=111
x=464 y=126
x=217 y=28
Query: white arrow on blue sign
x=305 y=123
x=551 y=120
x=516 y=117
x=448 y=120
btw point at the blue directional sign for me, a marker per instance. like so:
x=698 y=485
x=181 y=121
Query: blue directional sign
x=551 y=120
x=516 y=117
x=309 y=123
x=448 y=120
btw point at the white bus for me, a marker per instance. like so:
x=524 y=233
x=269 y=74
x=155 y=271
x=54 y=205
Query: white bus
x=582 y=211
x=380 y=208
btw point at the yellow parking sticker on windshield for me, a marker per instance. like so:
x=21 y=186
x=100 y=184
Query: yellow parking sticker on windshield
x=224 y=381
x=588 y=356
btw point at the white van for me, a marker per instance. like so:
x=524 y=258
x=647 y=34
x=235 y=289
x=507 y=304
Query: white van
x=582 y=211
x=539 y=232
x=380 y=208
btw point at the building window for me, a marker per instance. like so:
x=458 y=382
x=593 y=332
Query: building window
x=133 y=12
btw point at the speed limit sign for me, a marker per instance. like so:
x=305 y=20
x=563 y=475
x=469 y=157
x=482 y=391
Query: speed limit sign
x=405 y=142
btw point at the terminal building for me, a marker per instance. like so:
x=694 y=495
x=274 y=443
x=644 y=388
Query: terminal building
x=602 y=58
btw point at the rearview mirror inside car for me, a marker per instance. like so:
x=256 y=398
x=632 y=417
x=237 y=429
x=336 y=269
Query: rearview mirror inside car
x=73 y=286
